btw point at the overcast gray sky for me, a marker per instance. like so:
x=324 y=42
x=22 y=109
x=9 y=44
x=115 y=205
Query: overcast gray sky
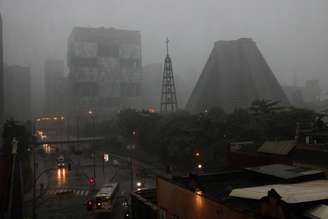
x=292 y=34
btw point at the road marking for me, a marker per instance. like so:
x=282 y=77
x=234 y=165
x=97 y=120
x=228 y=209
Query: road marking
x=76 y=192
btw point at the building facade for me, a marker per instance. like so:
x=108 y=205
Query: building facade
x=104 y=69
x=1 y=73
x=235 y=74
x=55 y=87
x=17 y=90
x=244 y=194
x=176 y=202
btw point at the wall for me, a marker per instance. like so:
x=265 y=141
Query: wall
x=142 y=208
x=180 y=203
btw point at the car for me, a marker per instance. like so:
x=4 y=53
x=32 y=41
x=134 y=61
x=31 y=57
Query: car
x=127 y=215
x=60 y=162
x=125 y=203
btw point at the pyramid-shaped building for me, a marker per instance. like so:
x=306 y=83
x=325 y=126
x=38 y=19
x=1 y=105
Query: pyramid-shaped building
x=235 y=74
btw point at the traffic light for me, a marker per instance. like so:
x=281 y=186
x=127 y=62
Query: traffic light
x=89 y=205
x=92 y=181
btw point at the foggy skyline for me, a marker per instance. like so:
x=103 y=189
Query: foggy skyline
x=292 y=35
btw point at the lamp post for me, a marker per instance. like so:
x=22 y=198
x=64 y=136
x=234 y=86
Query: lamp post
x=93 y=142
x=12 y=176
x=35 y=166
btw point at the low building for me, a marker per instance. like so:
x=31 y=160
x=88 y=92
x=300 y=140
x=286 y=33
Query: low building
x=285 y=152
x=309 y=149
x=243 y=194
x=143 y=203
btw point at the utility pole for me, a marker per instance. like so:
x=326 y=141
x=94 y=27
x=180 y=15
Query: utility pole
x=94 y=147
x=103 y=167
x=77 y=146
x=93 y=143
x=12 y=176
x=35 y=166
x=131 y=174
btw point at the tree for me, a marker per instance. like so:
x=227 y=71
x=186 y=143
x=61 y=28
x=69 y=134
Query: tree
x=13 y=129
x=265 y=106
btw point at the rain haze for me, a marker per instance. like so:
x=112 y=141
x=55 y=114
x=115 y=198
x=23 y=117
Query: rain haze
x=292 y=34
x=164 y=109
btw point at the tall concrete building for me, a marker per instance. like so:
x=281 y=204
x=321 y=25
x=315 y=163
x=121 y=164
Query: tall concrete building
x=312 y=91
x=234 y=76
x=104 y=69
x=17 y=81
x=1 y=74
x=55 y=87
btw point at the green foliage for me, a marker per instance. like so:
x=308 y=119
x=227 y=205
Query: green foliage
x=175 y=137
x=13 y=129
x=265 y=106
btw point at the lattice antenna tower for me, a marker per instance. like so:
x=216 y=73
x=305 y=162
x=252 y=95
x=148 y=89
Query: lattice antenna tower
x=169 y=102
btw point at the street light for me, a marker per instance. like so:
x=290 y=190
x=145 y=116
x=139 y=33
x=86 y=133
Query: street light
x=199 y=166
x=94 y=154
x=14 y=144
x=197 y=154
x=139 y=184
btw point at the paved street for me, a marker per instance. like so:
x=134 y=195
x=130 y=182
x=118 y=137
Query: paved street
x=65 y=192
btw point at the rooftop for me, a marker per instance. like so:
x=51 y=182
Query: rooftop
x=291 y=193
x=287 y=172
x=281 y=147
x=105 y=35
x=312 y=154
x=244 y=188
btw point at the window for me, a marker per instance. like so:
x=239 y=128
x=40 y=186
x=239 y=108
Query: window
x=108 y=50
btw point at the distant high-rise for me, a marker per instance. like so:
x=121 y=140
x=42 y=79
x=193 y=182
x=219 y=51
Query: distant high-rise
x=169 y=101
x=17 y=89
x=234 y=76
x=55 y=87
x=1 y=74
x=104 y=69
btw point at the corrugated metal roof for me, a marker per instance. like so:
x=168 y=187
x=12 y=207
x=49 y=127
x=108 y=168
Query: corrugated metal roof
x=277 y=147
x=320 y=211
x=291 y=193
x=284 y=171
